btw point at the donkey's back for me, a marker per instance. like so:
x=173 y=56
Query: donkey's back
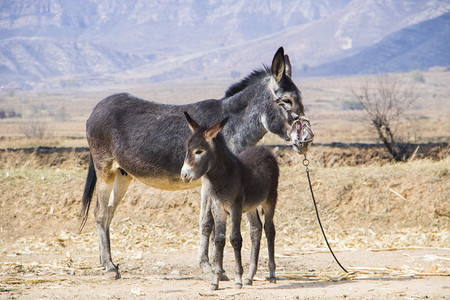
x=143 y=138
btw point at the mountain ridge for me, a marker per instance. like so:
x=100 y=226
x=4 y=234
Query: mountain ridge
x=414 y=47
x=55 y=38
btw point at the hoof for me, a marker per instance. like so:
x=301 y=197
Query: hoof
x=224 y=278
x=272 y=280
x=214 y=287
x=113 y=274
x=210 y=276
x=206 y=268
x=238 y=286
x=248 y=282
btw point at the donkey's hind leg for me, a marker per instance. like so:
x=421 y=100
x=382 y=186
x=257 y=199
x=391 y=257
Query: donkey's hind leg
x=269 y=229
x=255 y=235
x=111 y=190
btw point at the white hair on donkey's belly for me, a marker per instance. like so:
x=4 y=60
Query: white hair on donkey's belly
x=168 y=184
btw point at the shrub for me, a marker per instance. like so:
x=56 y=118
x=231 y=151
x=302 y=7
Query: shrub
x=34 y=128
x=417 y=75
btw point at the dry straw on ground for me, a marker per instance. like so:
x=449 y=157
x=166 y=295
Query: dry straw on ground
x=373 y=207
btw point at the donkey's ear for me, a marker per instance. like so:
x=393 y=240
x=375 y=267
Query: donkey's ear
x=191 y=122
x=288 y=68
x=214 y=130
x=278 y=65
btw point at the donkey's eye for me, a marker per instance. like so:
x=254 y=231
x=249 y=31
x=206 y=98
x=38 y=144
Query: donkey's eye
x=287 y=101
x=198 y=151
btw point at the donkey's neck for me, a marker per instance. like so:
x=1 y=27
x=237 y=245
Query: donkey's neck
x=245 y=129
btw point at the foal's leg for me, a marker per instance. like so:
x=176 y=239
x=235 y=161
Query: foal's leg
x=220 y=220
x=269 y=229
x=206 y=226
x=236 y=242
x=109 y=195
x=207 y=234
x=255 y=234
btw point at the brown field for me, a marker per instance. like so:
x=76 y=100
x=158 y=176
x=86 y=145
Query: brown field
x=389 y=223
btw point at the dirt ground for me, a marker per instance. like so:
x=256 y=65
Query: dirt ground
x=176 y=276
x=388 y=224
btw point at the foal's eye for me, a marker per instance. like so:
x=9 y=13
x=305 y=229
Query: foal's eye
x=198 y=151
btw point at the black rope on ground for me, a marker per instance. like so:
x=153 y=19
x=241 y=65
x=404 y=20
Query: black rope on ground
x=306 y=163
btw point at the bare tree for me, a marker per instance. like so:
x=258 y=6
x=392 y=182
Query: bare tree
x=385 y=103
x=34 y=128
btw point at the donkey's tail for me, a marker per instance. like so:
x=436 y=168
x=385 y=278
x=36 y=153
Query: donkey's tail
x=88 y=192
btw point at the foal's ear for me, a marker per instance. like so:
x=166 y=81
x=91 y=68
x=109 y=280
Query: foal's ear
x=214 y=130
x=278 y=65
x=288 y=68
x=191 y=122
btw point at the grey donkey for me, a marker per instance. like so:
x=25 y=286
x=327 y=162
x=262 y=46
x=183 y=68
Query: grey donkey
x=233 y=185
x=131 y=138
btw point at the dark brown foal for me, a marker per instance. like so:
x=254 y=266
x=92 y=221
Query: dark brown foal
x=233 y=185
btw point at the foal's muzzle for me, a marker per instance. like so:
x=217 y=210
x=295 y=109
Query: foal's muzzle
x=186 y=174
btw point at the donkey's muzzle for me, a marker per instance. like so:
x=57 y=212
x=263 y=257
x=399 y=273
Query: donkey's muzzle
x=301 y=147
x=303 y=135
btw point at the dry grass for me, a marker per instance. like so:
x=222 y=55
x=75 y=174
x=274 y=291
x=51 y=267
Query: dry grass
x=369 y=207
x=375 y=207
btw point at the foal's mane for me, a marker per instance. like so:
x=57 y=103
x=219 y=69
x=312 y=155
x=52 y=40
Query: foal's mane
x=253 y=77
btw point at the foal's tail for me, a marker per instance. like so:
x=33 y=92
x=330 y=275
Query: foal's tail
x=88 y=192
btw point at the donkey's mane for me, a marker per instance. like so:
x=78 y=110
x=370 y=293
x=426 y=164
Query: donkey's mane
x=253 y=77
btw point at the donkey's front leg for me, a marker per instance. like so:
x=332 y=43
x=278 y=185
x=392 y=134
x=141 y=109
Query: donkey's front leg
x=255 y=234
x=236 y=242
x=220 y=219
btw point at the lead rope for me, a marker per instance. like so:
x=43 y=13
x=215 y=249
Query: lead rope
x=306 y=164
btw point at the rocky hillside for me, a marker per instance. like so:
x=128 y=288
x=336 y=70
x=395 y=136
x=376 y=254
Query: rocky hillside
x=419 y=46
x=159 y=41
